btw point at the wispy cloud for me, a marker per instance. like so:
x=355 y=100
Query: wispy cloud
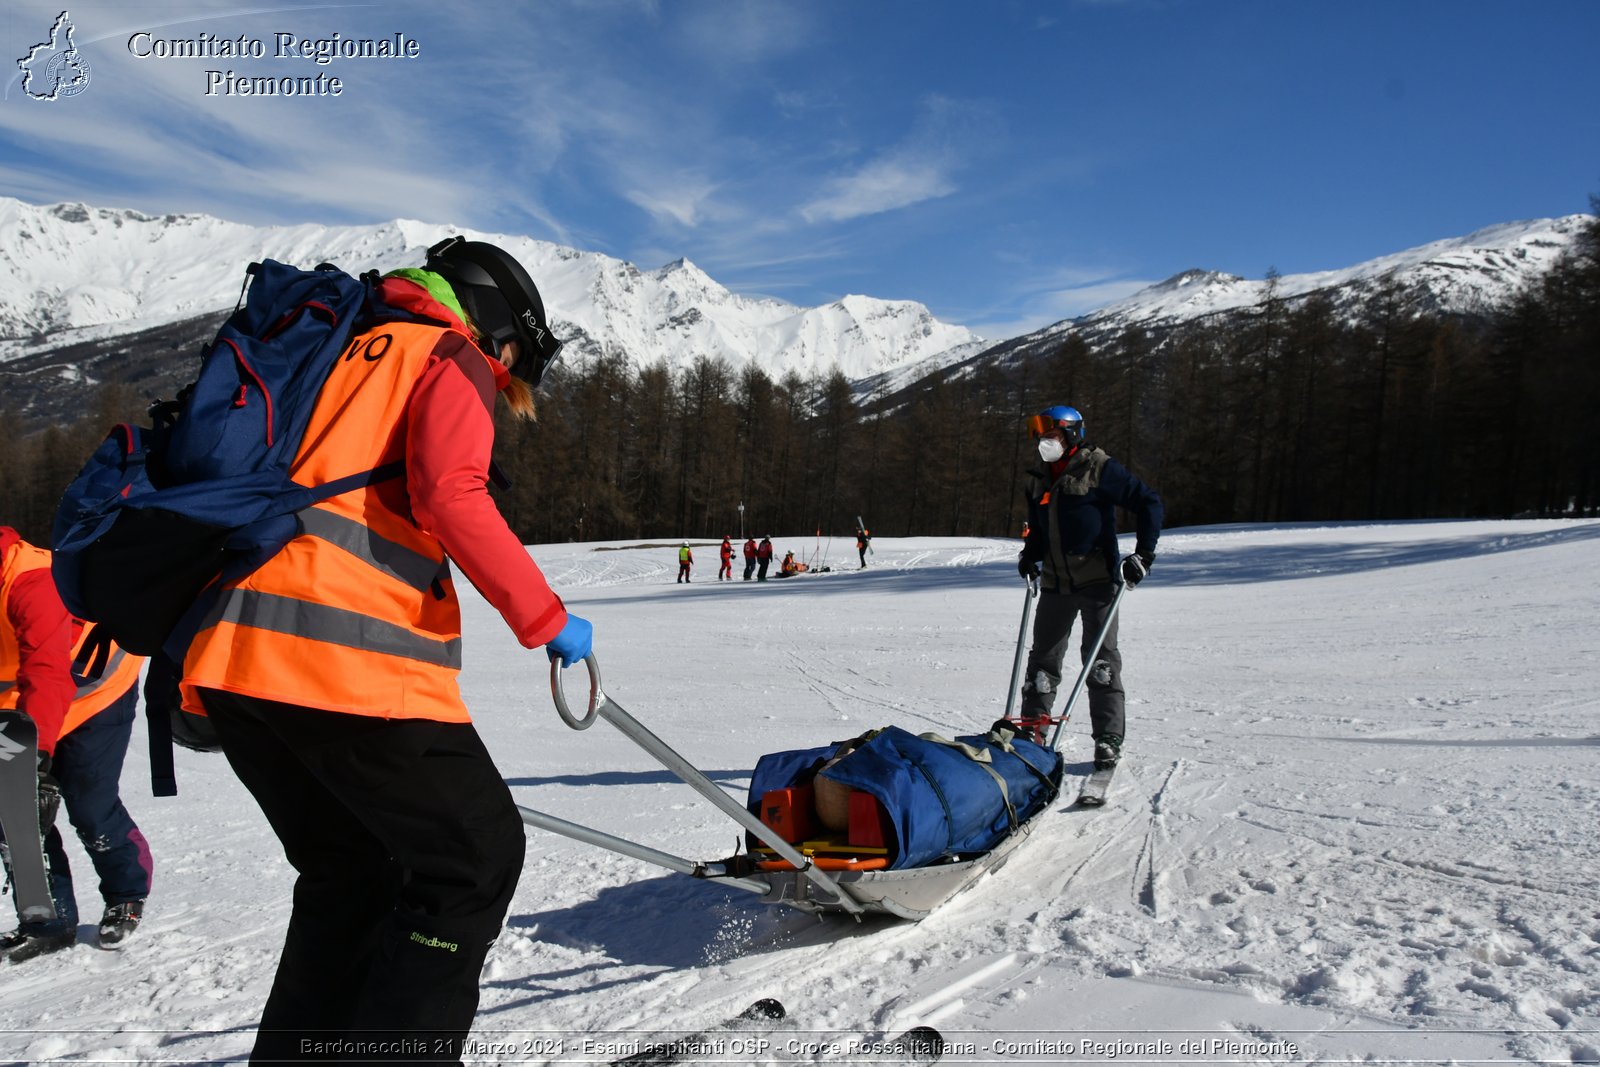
x=921 y=168
x=882 y=185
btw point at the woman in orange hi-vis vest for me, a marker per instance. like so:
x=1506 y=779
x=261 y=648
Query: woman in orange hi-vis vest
x=330 y=672
x=83 y=725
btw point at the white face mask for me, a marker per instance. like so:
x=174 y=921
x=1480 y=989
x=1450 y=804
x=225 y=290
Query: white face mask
x=1050 y=449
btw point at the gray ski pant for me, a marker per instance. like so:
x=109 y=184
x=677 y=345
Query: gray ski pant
x=1052 y=629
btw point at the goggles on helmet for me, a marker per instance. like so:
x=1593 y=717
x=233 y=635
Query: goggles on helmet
x=1062 y=418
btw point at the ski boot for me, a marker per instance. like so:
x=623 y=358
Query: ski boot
x=1107 y=751
x=119 y=922
x=18 y=947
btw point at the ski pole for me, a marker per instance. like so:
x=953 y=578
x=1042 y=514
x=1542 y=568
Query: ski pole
x=1088 y=662
x=608 y=709
x=1028 y=601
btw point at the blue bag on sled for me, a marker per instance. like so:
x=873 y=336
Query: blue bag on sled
x=943 y=799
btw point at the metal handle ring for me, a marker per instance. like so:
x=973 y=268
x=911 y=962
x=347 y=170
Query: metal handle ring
x=596 y=697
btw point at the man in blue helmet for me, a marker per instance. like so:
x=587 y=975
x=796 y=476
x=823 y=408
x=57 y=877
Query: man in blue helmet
x=1072 y=547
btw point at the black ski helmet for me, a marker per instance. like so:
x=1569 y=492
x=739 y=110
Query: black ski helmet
x=501 y=300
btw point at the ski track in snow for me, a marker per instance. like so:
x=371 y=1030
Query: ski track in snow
x=1358 y=812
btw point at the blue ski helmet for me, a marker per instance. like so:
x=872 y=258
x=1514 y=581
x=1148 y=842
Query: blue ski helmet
x=1060 y=417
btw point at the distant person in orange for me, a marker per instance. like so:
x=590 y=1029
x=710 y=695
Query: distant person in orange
x=863 y=541
x=726 y=552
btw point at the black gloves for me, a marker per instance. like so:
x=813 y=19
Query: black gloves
x=1027 y=568
x=49 y=800
x=1136 y=566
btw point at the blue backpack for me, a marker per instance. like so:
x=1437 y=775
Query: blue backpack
x=162 y=516
x=160 y=513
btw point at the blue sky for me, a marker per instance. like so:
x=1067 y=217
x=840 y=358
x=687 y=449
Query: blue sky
x=1007 y=163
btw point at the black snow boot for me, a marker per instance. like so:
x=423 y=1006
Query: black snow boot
x=18 y=947
x=1107 y=751
x=119 y=922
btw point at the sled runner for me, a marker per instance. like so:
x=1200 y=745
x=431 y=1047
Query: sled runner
x=906 y=824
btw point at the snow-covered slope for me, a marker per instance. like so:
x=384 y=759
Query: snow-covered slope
x=70 y=272
x=1356 y=822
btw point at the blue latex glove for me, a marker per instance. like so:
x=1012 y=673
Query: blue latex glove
x=573 y=643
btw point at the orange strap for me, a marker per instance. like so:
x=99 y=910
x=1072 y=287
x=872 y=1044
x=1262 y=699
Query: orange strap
x=829 y=863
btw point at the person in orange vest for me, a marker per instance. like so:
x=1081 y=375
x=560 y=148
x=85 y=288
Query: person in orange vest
x=749 y=558
x=685 y=561
x=330 y=673
x=726 y=552
x=83 y=727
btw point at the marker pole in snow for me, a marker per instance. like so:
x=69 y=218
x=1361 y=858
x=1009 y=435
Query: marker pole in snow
x=1028 y=601
x=1088 y=662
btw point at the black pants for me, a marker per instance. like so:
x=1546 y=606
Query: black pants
x=1052 y=630
x=408 y=847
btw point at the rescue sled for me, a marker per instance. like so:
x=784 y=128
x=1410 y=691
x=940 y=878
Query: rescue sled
x=890 y=857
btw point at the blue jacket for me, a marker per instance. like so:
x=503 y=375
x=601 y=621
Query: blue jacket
x=1072 y=523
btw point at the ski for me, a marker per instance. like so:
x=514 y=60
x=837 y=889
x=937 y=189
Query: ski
x=19 y=816
x=1094 y=790
x=703 y=1043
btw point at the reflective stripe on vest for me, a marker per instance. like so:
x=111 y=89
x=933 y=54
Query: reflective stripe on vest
x=415 y=569
x=334 y=626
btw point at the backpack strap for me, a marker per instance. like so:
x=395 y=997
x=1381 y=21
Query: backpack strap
x=160 y=697
x=93 y=655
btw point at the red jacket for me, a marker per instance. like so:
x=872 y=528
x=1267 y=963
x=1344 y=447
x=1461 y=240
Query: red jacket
x=35 y=640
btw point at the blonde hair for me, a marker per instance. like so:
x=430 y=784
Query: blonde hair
x=518 y=394
x=519 y=398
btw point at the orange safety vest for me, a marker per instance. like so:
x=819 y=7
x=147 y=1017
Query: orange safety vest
x=91 y=695
x=357 y=614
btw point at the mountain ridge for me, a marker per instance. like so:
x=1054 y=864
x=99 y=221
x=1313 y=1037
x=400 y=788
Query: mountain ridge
x=160 y=284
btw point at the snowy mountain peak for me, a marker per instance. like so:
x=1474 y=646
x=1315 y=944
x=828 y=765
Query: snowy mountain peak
x=1192 y=278
x=75 y=272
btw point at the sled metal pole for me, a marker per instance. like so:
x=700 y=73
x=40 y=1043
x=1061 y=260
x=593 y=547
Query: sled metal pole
x=606 y=708
x=1028 y=601
x=1088 y=663
x=590 y=836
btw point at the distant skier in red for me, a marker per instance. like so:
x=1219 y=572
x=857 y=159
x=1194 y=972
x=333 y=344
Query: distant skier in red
x=726 y=570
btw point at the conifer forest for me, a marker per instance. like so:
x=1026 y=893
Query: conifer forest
x=1293 y=410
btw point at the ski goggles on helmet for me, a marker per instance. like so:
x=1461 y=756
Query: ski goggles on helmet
x=1061 y=417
